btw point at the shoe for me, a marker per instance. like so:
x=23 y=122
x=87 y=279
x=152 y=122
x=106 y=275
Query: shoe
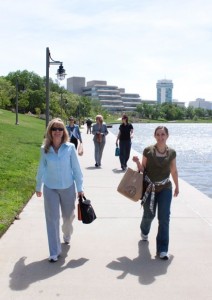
x=144 y=237
x=164 y=255
x=53 y=258
x=96 y=165
x=123 y=168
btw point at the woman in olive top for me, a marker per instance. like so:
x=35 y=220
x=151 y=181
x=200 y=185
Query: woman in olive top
x=158 y=162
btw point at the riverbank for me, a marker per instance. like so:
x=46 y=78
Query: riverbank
x=107 y=259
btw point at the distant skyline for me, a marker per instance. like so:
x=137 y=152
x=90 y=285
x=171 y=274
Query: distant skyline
x=131 y=44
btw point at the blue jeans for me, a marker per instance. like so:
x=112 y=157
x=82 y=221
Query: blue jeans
x=125 y=147
x=163 y=204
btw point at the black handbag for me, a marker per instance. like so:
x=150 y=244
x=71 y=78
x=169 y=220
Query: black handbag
x=86 y=213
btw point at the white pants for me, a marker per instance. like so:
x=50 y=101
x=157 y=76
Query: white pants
x=54 y=200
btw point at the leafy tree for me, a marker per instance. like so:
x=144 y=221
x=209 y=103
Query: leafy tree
x=190 y=112
x=7 y=92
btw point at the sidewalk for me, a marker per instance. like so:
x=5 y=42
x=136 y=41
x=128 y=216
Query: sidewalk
x=106 y=260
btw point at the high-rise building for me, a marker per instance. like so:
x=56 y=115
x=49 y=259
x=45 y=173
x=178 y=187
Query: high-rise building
x=164 y=91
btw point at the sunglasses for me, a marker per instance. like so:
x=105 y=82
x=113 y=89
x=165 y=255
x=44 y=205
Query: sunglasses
x=56 y=128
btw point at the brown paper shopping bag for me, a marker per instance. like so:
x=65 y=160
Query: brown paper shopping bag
x=131 y=185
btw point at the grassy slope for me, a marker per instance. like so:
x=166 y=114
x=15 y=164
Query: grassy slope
x=19 y=156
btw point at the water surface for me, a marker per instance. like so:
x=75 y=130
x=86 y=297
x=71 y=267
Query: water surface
x=193 y=144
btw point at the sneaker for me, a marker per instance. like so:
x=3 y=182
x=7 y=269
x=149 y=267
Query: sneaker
x=53 y=258
x=144 y=237
x=164 y=255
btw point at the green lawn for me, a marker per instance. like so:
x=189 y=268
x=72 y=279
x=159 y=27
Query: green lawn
x=19 y=157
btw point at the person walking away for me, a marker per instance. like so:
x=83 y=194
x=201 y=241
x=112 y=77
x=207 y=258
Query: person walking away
x=99 y=131
x=59 y=171
x=158 y=162
x=124 y=137
x=89 y=123
x=74 y=132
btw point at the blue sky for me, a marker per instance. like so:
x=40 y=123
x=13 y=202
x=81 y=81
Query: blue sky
x=131 y=44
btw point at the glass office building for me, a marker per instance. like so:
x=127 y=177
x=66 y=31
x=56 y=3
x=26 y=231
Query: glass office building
x=164 y=91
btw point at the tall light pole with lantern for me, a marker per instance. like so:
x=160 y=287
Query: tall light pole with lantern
x=60 y=75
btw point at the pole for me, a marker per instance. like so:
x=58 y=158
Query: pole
x=16 y=102
x=47 y=86
x=61 y=103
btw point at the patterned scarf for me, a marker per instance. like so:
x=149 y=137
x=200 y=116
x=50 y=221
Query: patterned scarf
x=151 y=190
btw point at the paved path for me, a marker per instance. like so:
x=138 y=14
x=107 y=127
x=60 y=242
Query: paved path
x=106 y=259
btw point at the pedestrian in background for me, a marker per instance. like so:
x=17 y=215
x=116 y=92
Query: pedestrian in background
x=158 y=162
x=99 y=131
x=124 y=137
x=74 y=132
x=89 y=123
x=59 y=171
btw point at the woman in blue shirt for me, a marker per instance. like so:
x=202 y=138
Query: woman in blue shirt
x=74 y=132
x=59 y=171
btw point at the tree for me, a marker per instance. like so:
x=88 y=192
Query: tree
x=7 y=93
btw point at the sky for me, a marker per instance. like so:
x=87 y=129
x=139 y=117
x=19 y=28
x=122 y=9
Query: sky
x=128 y=43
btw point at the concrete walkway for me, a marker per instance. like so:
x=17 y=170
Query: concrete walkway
x=106 y=259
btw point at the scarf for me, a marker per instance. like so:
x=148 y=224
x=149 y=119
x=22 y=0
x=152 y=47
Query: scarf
x=151 y=191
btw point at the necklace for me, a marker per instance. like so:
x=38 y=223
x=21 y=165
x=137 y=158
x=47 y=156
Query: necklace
x=161 y=152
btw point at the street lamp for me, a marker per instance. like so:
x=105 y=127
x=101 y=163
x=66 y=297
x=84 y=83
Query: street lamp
x=16 y=103
x=18 y=88
x=60 y=75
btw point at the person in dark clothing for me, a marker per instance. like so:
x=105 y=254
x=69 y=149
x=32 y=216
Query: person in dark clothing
x=89 y=123
x=124 y=137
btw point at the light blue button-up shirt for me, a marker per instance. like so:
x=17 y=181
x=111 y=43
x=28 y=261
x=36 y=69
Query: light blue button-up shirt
x=59 y=170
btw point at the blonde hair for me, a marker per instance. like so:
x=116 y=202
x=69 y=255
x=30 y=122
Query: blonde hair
x=100 y=118
x=48 y=141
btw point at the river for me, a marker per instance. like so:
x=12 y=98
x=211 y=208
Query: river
x=193 y=144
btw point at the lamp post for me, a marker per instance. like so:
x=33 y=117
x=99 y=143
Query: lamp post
x=18 y=87
x=60 y=75
x=16 y=103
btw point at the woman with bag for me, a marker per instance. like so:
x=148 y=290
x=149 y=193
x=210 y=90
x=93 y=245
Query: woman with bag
x=59 y=171
x=99 y=131
x=158 y=162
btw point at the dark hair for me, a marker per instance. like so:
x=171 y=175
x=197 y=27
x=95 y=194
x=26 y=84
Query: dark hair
x=125 y=117
x=163 y=128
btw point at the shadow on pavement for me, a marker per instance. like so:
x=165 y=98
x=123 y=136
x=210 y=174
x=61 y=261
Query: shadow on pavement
x=24 y=275
x=142 y=266
x=118 y=171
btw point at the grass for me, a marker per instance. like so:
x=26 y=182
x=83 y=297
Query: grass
x=19 y=156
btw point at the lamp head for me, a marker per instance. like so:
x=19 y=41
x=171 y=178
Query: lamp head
x=61 y=72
